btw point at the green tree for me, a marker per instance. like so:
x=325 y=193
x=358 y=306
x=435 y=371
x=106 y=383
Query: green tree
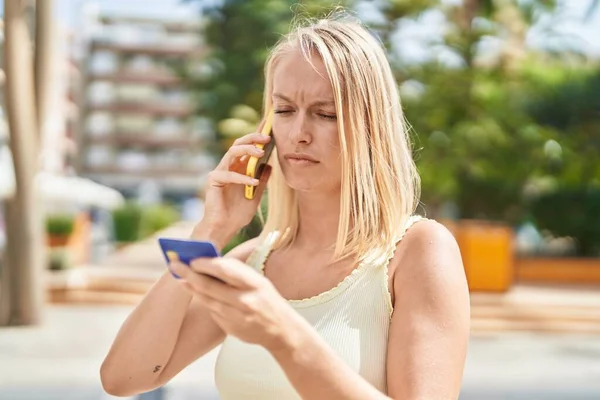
x=469 y=126
x=238 y=35
x=479 y=142
x=565 y=199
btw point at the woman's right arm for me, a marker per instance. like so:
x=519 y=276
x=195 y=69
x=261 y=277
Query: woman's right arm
x=168 y=330
x=165 y=333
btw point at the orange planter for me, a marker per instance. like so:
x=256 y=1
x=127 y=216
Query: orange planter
x=78 y=242
x=574 y=271
x=487 y=252
x=56 y=241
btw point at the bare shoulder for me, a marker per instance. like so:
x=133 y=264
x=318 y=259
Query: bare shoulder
x=428 y=260
x=243 y=250
x=428 y=238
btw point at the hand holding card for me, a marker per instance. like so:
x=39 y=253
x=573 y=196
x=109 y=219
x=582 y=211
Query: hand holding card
x=185 y=250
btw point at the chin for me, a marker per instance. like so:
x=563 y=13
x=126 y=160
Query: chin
x=313 y=184
x=301 y=184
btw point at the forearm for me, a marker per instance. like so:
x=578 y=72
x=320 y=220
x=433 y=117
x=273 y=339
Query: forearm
x=148 y=336
x=316 y=372
x=155 y=342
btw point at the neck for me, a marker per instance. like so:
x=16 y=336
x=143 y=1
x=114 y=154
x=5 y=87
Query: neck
x=319 y=215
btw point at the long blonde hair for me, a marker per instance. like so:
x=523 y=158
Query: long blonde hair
x=380 y=185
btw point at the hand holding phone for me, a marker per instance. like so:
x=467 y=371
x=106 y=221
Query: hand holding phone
x=234 y=187
x=256 y=165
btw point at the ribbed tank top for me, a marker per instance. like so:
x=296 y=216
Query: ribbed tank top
x=353 y=318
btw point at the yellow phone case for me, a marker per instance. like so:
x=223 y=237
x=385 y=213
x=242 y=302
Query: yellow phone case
x=253 y=161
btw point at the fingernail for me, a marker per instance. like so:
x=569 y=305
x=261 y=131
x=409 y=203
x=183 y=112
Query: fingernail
x=255 y=181
x=176 y=266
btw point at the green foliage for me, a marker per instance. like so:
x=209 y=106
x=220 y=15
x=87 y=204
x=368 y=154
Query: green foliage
x=477 y=144
x=126 y=222
x=156 y=218
x=132 y=222
x=487 y=128
x=573 y=212
x=60 y=225
x=567 y=101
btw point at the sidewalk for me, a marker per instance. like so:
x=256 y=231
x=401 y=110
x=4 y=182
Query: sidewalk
x=60 y=360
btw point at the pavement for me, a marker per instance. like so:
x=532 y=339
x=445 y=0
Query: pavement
x=533 y=342
x=60 y=360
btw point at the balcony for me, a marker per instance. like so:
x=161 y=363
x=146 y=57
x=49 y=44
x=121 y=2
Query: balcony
x=151 y=50
x=158 y=78
x=145 y=140
x=155 y=109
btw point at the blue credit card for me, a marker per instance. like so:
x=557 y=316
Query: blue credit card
x=186 y=250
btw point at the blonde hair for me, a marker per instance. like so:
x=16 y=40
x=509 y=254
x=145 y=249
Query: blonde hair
x=380 y=185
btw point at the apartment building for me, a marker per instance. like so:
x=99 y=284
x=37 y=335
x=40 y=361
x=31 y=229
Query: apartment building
x=138 y=125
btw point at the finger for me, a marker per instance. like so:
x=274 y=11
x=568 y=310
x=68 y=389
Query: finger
x=247 y=142
x=252 y=138
x=219 y=178
x=235 y=152
x=228 y=270
x=173 y=265
x=189 y=279
x=215 y=289
x=201 y=284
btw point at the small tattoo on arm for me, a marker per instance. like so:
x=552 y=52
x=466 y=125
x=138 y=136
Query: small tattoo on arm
x=157 y=368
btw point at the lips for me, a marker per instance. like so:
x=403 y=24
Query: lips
x=300 y=157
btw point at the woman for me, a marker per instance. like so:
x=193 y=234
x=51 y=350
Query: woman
x=348 y=303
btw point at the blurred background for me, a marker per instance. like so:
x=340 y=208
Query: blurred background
x=113 y=112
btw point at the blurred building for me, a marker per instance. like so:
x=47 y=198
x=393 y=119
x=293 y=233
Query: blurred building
x=138 y=129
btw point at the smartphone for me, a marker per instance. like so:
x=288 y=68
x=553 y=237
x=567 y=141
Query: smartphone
x=186 y=250
x=256 y=165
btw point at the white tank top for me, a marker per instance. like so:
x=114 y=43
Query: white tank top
x=353 y=318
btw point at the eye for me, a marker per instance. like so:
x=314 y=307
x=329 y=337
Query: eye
x=282 y=111
x=329 y=117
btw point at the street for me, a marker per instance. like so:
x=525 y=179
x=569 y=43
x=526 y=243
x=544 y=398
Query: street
x=60 y=361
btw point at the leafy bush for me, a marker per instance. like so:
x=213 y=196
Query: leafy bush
x=156 y=218
x=573 y=212
x=126 y=221
x=60 y=225
x=132 y=222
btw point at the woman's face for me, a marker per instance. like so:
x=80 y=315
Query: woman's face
x=305 y=124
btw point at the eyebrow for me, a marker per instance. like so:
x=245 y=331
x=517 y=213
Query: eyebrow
x=316 y=103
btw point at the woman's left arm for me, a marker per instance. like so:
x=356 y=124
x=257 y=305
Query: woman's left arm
x=428 y=336
x=426 y=345
x=430 y=326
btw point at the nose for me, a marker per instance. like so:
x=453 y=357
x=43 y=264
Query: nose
x=300 y=130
